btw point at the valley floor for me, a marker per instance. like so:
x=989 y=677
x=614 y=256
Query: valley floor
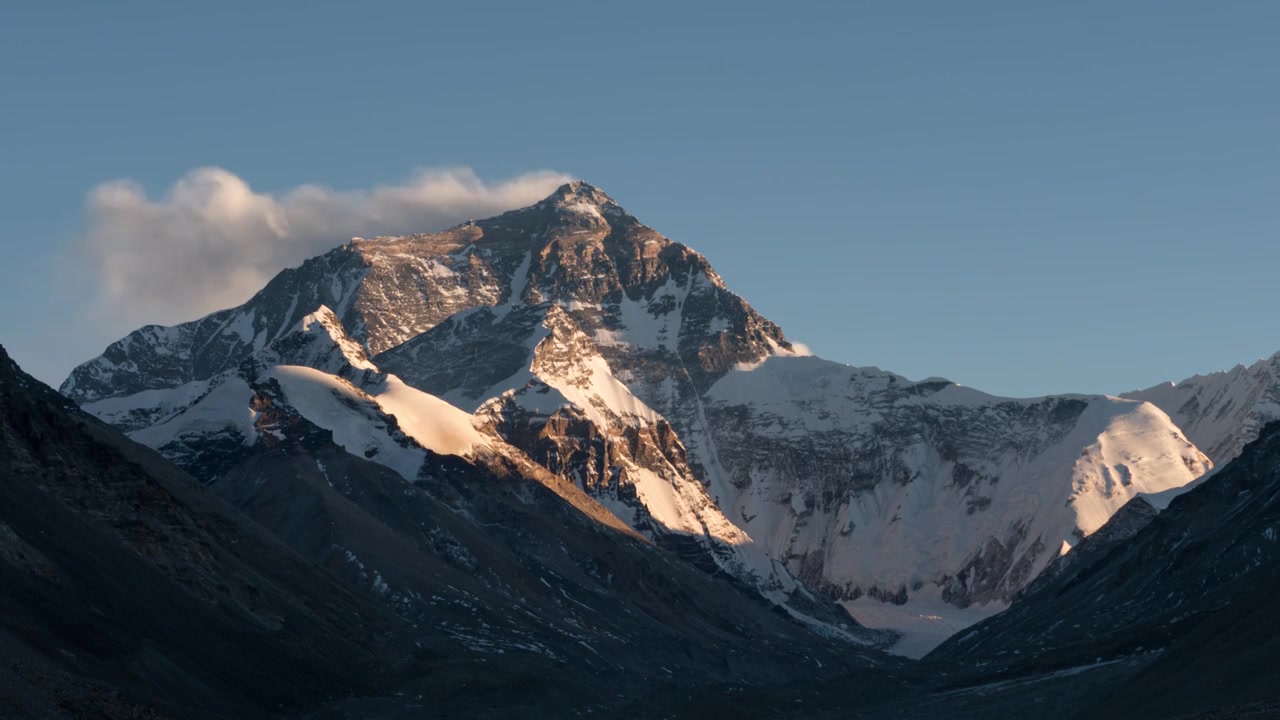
x=924 y=623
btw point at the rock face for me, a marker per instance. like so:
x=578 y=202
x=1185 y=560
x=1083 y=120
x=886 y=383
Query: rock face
x=585 y=343
x=213 y=426
x=1120 y=529
x=1223 y=411
x=888 y=486
x=1188 y=597
x=129 y=590
x=577 y=246
x=488 y=584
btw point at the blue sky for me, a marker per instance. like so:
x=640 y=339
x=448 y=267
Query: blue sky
x=1023 y=197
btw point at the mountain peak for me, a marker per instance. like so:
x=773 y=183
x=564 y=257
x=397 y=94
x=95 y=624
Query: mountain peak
x=321 y=342
x=7 y=366
x=581 y=198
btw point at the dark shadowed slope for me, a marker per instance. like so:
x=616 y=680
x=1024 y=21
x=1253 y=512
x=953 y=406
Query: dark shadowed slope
x=1167 y=615
x=483 y=589
x=1189 y=601
x=522 y=598
x=122 y=581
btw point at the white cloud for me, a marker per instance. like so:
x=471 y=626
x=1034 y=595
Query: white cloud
x=212 y=241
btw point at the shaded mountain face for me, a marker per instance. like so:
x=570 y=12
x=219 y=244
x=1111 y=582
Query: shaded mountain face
x=1158 y=614
x=212 y=426
x=515 y=565
x=1185 y=602
x=584 y=344
x=1223 y=411
x=490 y=585
x=127 y=588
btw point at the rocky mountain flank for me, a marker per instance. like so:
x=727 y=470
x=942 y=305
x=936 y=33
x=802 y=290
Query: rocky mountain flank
x=571 y=336
x=1223 y=411
x=303 y=577
x=1183 y=605
x=129 y=590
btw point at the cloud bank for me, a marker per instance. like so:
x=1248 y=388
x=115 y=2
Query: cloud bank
x=212 y=241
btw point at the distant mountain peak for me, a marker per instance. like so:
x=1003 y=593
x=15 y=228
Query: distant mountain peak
x=1221 y=411
x=579 y=191
x=623 y=364
x=582 y=198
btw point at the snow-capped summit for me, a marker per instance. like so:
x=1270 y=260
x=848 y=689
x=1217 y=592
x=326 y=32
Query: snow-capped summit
x=1223 y=411
x=618 y=360
x=581 y=195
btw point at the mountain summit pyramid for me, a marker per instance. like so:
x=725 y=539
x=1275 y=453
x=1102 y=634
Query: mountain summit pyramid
x=580 y=342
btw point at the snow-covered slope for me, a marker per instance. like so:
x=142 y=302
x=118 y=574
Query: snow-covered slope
x=871 y=487
x=1188 y=595
x=563 y=406
x=320 y=342
x=357 y=421
x=1223 y=411
x=571 y=414
x=619 y=361
x=639 y=474
x=310 y=370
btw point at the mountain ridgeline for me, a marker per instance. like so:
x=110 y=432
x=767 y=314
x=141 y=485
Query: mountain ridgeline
x=305 y=578
x=555 y=439
x=617 y=360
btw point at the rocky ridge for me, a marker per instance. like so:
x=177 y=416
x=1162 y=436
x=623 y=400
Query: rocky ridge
x=617 y=360
x=1221 y=412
